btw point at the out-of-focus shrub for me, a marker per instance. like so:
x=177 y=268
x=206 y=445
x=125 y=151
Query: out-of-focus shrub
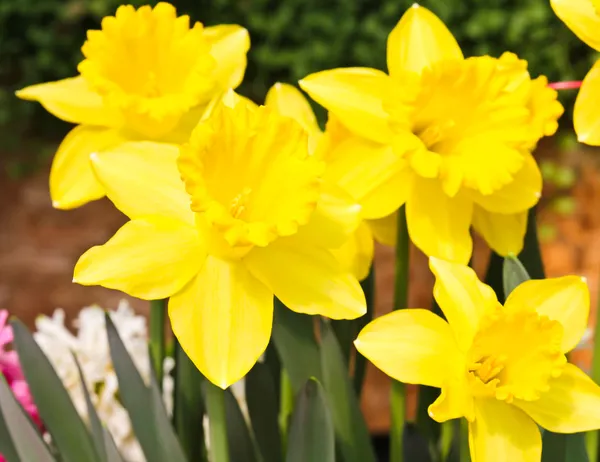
x=40 y=41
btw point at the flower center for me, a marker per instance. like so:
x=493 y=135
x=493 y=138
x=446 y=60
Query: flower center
x=250 y=176
x=521 y=367
x=150 y=64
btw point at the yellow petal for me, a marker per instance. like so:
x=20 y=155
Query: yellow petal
x=372 y=173
x=502 y=432
x=357 y=252
x=438 y=224
x=141 y=179
x=291 y=103
x=223 y=320
x=521 y=194
x=150 y=258
x=565 y=299
x=229 y=47
x=355 y=96
x=72 y=180
x=419 y=40
x=455 y=401
x=581 y=17
x=571 y=405
x=385 y=230
x=334 y=220
x=412 y=346
x=462 y=297
x=586 y=115
x=503 y=233
x=73 y=101
x=307 y=279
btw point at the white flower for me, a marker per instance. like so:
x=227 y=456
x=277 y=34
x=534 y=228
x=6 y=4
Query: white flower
x=90 y=345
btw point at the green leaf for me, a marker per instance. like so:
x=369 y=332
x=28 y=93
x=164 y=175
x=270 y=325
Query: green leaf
x=158 y=314
x=189 y=406
x=351 y=430
x=69 y=432
x=214 y=397
x=564 y=448
x=494 y=276
x=312 y=437
x=531 y=256
x=294 y=338
x=7 y=447
x=513 y=274
x=112 y=453
x=27 y=441
x=95 y=424
x=261 y=398
x=360 y=362
x=144 y=405
x=241 y=446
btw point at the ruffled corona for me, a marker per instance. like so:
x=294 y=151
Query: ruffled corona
x=150 y=64
x=249 y=171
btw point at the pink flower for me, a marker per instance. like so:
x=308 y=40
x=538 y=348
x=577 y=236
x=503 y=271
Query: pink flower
x=11 y=369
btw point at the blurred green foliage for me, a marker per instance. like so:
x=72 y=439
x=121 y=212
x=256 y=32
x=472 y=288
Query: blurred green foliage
x=40 y=40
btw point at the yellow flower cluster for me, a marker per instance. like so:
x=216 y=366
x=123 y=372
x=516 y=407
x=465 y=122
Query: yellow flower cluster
x=232 y=203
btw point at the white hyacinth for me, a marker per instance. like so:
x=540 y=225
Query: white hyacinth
x=90 y=345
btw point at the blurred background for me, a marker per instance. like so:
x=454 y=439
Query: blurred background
x=40 y=41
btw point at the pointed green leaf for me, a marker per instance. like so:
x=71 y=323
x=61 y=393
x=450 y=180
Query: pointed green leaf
x=261 y=398
x=351 y=430
x=112 y=453
x=294 y=338
x=69 y=432
x=25 y=437
x=513 y=274
x=312 y=437
x=564 y=448
x=189 y=407
x=241 y=445
x=7 y=447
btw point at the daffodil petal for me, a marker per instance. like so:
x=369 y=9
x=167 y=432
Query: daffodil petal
x=502 y=432
x=372 y=173
x=72 y=100
x=504 y=233
x=521 y=194
x=462 y=297
x=307 y=279
x=72 y=180
x=581 y=17
x=571 y=405
x=438 y=224
x=565 y=299
x=292 y=103
x=355 y=96
x=586 y=116
x=223 y=320
x=150 y=258
x=385 y=230
x=357 y=252
x=412 y=346
x=141 y=178
x=455 y=401
x=229 y=47
x=419 y=40
x=334 y=220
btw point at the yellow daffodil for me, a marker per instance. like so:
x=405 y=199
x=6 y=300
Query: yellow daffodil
x=357 y=252
x=502 y=367
x=241 y=215
x=447 y=136
x=583 y=18
x=147 y=75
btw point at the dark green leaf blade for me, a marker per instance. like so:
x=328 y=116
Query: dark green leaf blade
x=69 y=432
x=134 y=393
x=564 y=448
x=513 y=274
x=112 y=453
x=240 y=441
x=351 y=430
x=360 y=363
x=27 y=441
x=294 y=338
x=7 y=447
x=312 y=437
x=261 y=397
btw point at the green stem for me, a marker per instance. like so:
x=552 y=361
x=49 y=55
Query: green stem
x=398 y=398
x=286 y=405
x=217 y=426
x=465 y=454
x=594 y=437
x=158 y=312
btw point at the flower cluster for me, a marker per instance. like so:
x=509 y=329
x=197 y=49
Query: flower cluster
x=231 y=204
